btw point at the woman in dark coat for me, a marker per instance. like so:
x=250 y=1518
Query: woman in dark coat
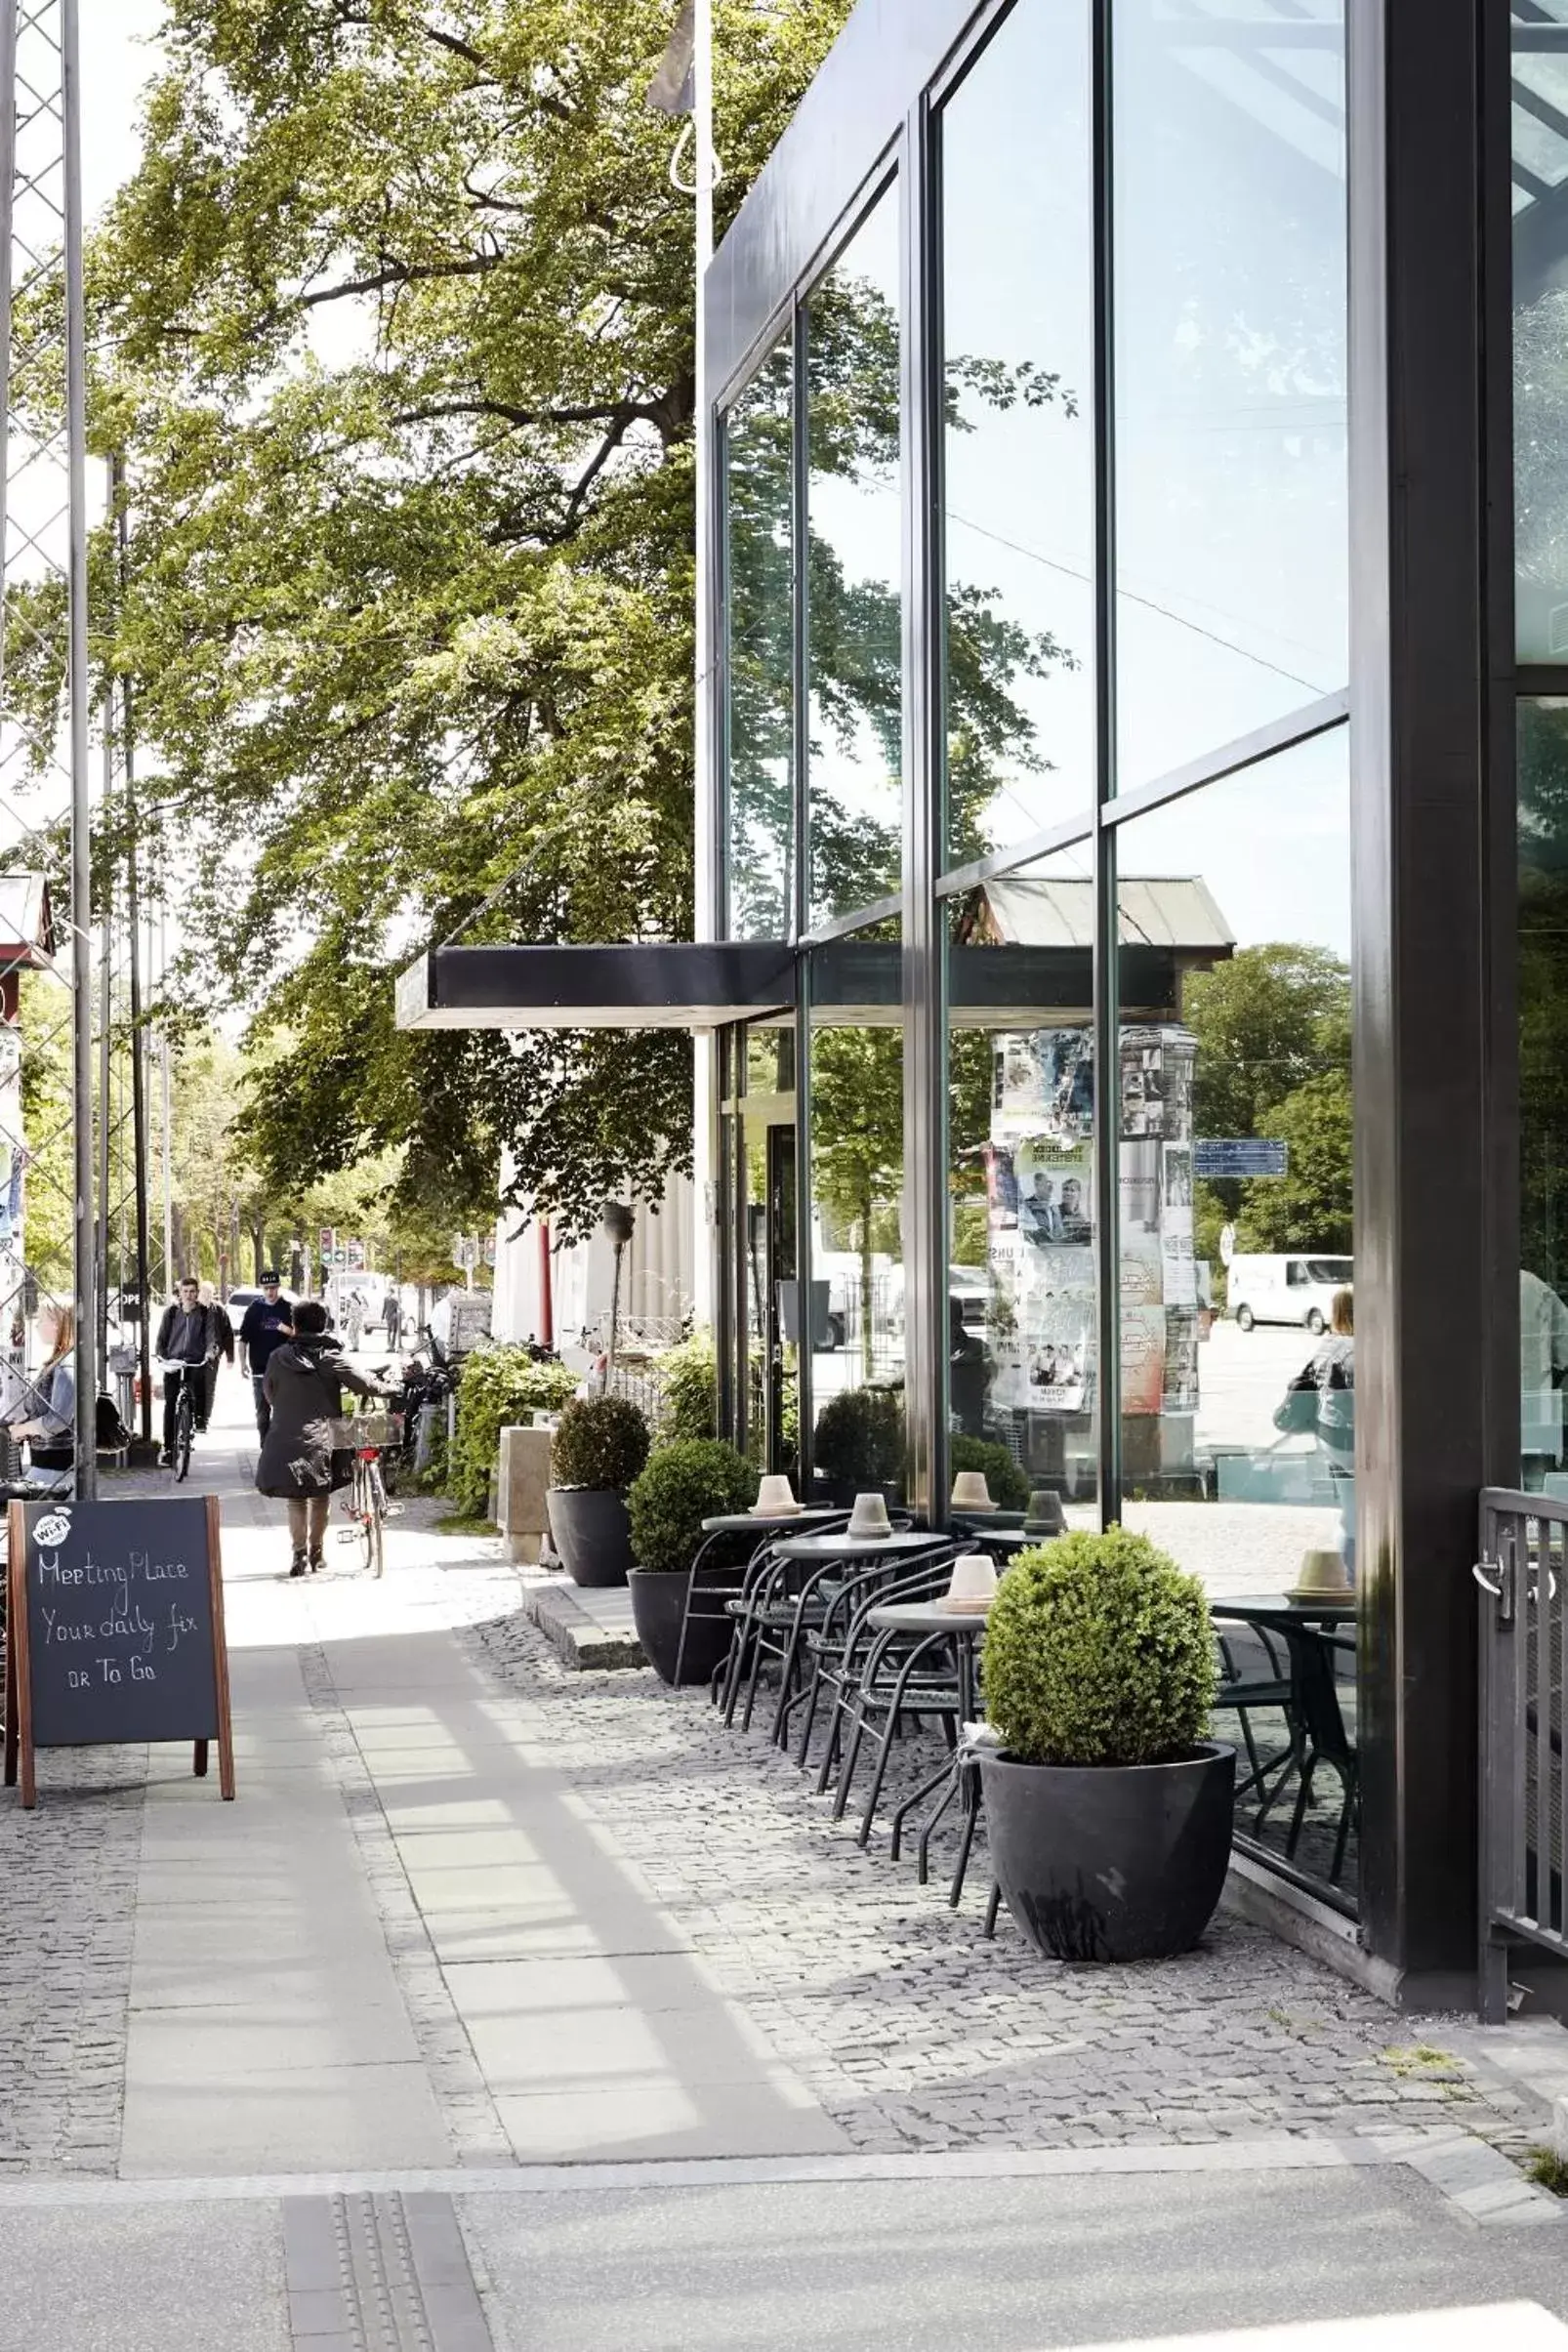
x=303 y=1385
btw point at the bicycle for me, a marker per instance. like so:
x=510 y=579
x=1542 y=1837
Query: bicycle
x=185 y=1415
x=367 y=1435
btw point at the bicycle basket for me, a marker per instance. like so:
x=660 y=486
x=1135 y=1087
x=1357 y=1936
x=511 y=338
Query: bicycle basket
x=355 y=1430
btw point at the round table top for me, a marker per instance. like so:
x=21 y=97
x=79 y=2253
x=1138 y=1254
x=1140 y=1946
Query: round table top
x=846 y=1547
x=1001 y=1539
x=927 y=1617
x=1278 y=1609
x=736 y=1522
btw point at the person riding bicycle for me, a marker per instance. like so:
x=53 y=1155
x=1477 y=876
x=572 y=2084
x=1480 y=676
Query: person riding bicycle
x=186 y=1344
x=304 y=1380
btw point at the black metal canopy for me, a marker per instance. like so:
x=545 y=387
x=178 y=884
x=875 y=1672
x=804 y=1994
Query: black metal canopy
x=664 y=984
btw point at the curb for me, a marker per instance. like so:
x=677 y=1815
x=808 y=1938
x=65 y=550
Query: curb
x=574 y=1636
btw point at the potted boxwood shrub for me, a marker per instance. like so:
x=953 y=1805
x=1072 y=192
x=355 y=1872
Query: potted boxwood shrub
x=694 y=1479
x=858 y=1445
x=1107 y=1808
x=599 y=1446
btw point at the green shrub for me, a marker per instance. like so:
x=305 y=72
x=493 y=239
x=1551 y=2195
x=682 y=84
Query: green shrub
x=601 y=1442
x=688 y=1380
x=860 y=1436
x=1099 y=1651
x=1007 y=1484
x=694 y=1479
x=500 y=1386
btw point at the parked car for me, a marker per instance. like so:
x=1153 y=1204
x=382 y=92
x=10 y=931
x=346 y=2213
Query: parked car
x=1286 y=1289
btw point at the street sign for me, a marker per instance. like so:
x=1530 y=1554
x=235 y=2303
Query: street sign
x=1239 y=1156
x=329 y=1242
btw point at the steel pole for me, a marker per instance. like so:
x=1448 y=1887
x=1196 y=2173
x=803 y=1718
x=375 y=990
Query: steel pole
x=81 y=863
x=105 y=1056
x=138 y=1045
x=170 y=1271
x=8 y=188
x=704 y=1090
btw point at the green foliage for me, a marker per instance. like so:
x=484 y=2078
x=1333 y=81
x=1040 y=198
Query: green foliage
x=422 y=631
x=857 y=1145
x=500 y=1386
x=1274 y=1031
x=696 y=1478
x=860 y=1435
x=1007 y=1484
x=1099 y=1651
x=688 y=1381
x=601 y=1442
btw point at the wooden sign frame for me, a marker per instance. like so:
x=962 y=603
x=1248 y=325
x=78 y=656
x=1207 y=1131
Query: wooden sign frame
x=20 y=1753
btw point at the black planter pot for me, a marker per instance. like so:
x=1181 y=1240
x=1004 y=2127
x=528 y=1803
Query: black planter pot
x=1115 y=1863
x=592 y=1533
x=658 y=1607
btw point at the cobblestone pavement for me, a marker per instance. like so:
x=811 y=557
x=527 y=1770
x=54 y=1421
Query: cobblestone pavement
x=66 y=1922
x=910 y=2029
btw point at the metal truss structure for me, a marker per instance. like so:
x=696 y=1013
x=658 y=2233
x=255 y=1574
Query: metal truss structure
x=46 y=1240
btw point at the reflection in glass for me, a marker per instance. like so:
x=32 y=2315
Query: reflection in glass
x=853 y=570
x=767 y=1220
x=1235 y=1237
x=1542 y=1092
x=1541 y=332
x=760 y=698
x=1019 y=456
x=1022 y=1373
x=1230 y=371
x=856 y=1299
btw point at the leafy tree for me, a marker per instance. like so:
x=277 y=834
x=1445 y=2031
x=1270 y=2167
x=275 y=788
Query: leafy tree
x=401 y=302
x=1274 y=1031
x=857 y=1144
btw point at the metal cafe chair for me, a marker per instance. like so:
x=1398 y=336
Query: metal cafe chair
x=921 y=1577
x=1254 y=1672
x=904 y=1674
x=828 y=1646
x=718 y=1577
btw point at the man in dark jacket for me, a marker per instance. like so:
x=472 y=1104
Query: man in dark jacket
x=264 y=1326
x=186 y=1340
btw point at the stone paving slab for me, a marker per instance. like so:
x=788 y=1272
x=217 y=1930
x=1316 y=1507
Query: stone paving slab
x=912 y=2030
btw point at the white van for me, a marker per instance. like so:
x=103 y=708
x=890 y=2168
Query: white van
x=1285 y=1290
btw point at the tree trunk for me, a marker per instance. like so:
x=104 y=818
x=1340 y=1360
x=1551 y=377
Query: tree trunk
x=865 y=1287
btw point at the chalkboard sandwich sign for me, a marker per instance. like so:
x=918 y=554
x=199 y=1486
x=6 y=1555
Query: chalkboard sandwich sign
x=116 y=1630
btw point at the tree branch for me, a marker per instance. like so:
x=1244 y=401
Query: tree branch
x=402 y=273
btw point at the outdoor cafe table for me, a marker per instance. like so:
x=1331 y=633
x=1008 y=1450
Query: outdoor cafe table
x=962 y=1628
x=763 y=1522
x=815 y=1550
x=1313 y=1715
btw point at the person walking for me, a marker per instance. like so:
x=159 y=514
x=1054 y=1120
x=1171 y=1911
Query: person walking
x=264 y=1326
x=187 y=1342
x=305 y=1380
x=394 y=1317
x=1322 y=1399
x=354 y=1319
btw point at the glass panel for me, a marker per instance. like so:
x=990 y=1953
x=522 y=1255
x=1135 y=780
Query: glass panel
x=768 y=1225
x=1017 y=296
x=1022 y=1375
x=853 y=570
x=1540 y=334
x=1231 y=564
x=1234 y=1252
x=856 y=1302
x=760 y=566
x=1542 y=1092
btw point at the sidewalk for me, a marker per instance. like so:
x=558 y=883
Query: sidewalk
x=507 y=1998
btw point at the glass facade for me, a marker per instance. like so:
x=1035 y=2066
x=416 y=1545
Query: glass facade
x=1018 y=434
x=1540 y=176
x=759 y=653
x=1230 y=369
x=854 y=571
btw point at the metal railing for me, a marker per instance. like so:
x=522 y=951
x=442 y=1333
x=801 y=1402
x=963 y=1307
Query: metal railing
x=1523 y=1660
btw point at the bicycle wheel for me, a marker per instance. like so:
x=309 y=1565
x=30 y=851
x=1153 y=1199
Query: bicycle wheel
x=185 y=1425
x=376 y=1518
x=359 y=1512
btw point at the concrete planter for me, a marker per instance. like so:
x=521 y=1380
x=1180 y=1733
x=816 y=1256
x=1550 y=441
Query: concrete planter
x=1111 y=1863
x=592 y=1534
x=658 y=1610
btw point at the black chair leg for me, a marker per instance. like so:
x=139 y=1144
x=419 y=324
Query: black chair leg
x=924 y=1849
x=991 y=1907
x=910 y=1803
x=813 y=1692
x=972 y=1814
